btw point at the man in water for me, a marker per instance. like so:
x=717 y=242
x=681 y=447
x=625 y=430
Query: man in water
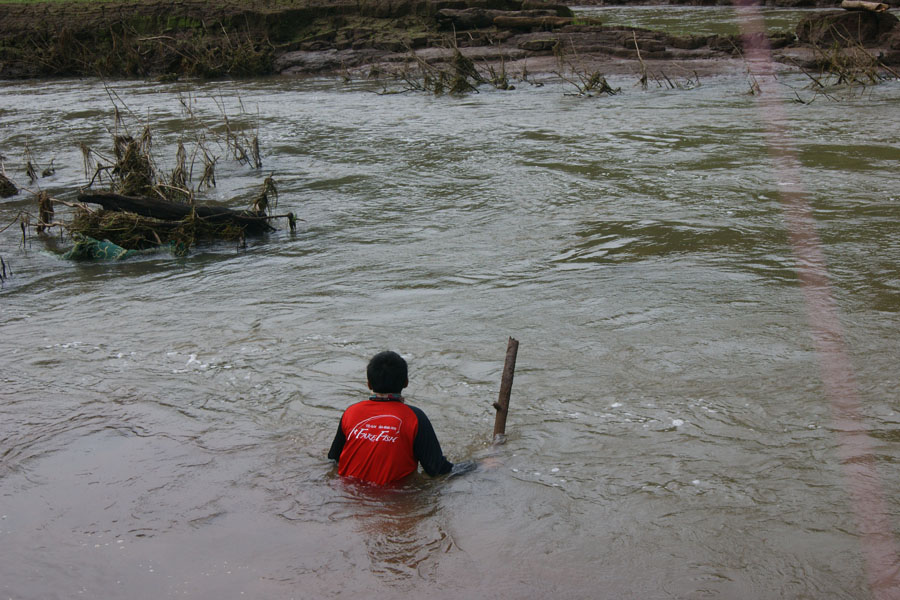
x=382 y=440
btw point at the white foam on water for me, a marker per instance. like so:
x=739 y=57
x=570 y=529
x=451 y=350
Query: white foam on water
x=677 y=422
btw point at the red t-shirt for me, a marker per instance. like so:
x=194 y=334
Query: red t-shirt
x=381 y=441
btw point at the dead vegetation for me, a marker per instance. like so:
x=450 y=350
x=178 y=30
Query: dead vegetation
x=849 y=65
x=587 y=82
x=662 y=80
x=144 y=206
x=460 y=75
x=194 y=50
x=842 y=68
x=846 y=57
x=132 y=231
x=453 y=72
x=456 y=76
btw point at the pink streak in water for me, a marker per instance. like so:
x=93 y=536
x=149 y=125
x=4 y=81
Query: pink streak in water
x=867 y=496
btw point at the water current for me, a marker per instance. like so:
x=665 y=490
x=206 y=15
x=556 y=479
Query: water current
x=164 y=420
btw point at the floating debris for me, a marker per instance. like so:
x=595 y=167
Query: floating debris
x=144 y=209
x=89 y=248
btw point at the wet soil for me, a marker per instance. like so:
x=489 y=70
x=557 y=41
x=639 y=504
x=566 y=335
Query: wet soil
x=149 y=38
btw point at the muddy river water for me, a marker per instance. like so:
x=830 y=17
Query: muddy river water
x=164 y=420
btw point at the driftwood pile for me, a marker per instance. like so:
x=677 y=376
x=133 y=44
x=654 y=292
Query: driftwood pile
x=143 y=222
x=250 y=221
x=145 y=209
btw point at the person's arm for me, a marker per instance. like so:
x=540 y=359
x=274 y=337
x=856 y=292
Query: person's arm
x=338 y=444
x=427 y=449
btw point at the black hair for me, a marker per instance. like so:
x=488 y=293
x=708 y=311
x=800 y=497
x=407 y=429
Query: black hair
x=387 y=373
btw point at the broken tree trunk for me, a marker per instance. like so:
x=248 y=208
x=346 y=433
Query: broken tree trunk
x=861 y=5
x=253 y=222
x=502 y=404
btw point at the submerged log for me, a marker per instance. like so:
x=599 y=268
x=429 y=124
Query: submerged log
x=253 y=222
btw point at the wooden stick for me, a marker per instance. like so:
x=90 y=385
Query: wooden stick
x=502 y=404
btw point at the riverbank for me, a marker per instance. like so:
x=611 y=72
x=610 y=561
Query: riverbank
x=153 y=39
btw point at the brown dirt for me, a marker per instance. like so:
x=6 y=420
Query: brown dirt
x=152 y=38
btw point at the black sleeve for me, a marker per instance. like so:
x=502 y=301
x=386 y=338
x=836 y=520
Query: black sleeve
x=427 y=449
x=338 y=444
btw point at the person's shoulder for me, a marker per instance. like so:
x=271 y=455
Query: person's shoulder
x=404 y=407
x=357 y=406
x=420 y=414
